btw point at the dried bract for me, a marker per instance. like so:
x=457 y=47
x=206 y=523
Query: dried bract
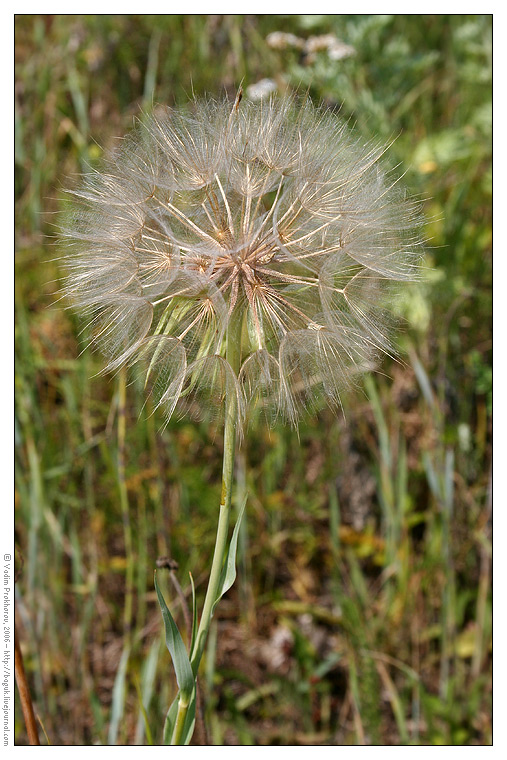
x=270 y=213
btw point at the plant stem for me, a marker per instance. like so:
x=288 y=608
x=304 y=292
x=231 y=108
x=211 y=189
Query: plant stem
x=180 y=722
x=220 y=549
x=24 y=694
x=124 y=503
x=231 y=416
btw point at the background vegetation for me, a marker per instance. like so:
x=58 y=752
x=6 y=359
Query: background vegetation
x=361 y=613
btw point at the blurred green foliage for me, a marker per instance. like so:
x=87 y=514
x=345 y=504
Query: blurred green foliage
x=361 y=613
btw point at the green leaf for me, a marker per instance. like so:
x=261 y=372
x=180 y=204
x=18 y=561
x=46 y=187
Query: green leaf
x=149 y=736
x=194 y=613
x=188 y=728
x=176 y=647
x=149 y=671
x=118 y=702
x=228 y=575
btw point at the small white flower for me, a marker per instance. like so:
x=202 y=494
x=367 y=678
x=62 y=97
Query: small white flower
x=261 y=89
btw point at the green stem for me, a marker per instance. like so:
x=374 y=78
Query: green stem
x=124 y=504
x=233 y=356
x=221 y=538
x=180 y=723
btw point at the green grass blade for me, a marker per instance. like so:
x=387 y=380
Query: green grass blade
x=229 y=568
x=176 y=647
x=118 y=703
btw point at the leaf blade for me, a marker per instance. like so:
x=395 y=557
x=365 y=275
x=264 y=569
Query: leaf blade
x=228 y=575
x=194 y=613
x=176 y=647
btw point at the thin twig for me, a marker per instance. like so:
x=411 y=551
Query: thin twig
x=24 y=694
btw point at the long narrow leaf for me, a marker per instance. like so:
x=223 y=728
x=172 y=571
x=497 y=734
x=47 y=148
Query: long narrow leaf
x=176 y=647
x=146 y=691
x=194 y=613
x=118 y=702
x=143 y=714
x=229 y=569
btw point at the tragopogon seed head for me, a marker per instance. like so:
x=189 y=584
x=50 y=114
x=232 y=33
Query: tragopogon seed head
x=270 y=213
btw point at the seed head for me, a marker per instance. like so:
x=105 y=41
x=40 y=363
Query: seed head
x=268 y=215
